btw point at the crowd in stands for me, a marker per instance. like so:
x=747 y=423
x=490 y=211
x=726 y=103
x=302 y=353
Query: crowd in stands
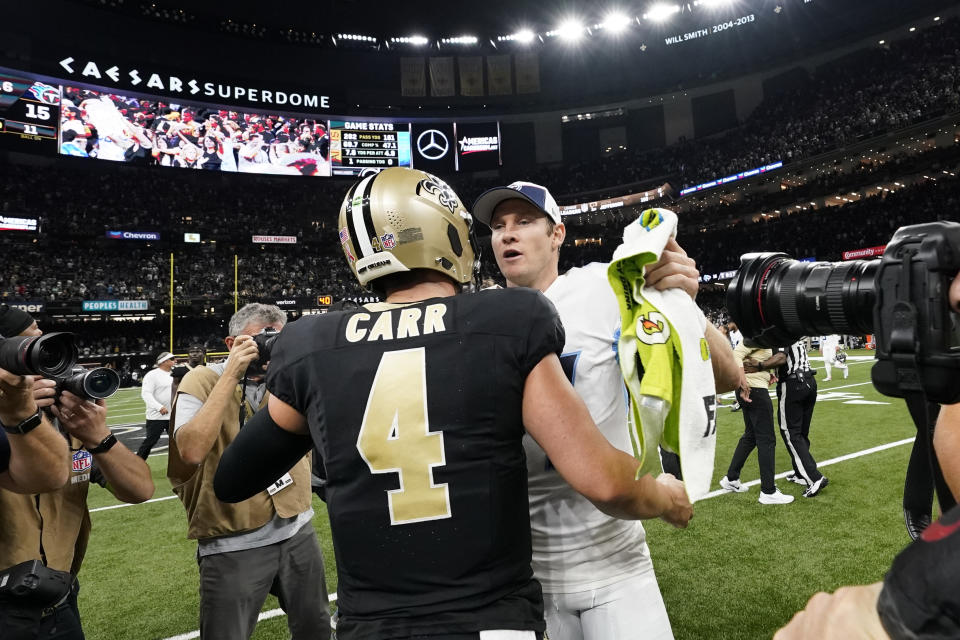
x=77 y=201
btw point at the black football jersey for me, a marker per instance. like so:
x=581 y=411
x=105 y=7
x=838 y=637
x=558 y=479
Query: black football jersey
x=416 y=412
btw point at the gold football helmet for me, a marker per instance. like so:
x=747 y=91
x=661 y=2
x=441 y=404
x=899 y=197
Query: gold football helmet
x=402 y=219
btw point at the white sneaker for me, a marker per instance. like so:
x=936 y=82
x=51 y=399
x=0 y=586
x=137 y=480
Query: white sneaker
x=733 y=485
x=775 y=498
x=827 y=379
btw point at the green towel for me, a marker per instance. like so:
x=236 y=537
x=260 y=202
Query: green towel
x=664 y=358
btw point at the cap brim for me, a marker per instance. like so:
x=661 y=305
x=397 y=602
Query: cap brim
x=169 y=357
x=489 y=199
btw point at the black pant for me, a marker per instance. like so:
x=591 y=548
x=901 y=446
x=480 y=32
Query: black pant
x=757 y=433
x=155 y=429
x=59 y=623
x=797 y=397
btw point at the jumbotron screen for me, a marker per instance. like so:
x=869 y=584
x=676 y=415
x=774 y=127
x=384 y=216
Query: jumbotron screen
x=44 y=115
x=29 y=110
x=357 y=147
x=121 y=128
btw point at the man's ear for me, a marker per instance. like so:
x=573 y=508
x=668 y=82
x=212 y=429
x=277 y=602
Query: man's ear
x=229 y=342
x=559 y=234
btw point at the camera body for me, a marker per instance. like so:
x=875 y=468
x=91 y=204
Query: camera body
x=918 y=337
x=264 y=341
x=901 y=298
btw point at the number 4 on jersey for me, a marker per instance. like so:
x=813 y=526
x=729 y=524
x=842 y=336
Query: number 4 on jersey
x=395 y=437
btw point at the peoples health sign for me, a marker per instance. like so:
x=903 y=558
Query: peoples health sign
x=115 y=305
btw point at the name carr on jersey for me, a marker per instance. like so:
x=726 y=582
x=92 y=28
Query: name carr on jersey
x=395 y=324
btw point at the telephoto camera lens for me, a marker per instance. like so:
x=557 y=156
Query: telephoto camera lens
x=92 y=383
x=52 y=355
x=776 y=300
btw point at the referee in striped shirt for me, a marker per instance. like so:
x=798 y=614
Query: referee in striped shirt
x=797 y=395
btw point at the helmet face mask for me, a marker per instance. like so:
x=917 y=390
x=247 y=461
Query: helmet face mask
x=402 y=219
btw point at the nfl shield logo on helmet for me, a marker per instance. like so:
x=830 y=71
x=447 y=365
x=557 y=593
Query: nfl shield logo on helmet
x=388 y=240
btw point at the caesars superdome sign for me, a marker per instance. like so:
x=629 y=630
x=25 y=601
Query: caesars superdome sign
x=186 y=84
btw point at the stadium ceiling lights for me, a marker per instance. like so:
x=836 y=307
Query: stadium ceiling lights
x=660 y=12
x=615 y=22
x=355 y=37
x=460 y=40
x=570 y=30
x=713 y=3
x=417 y=41
x=524 y=36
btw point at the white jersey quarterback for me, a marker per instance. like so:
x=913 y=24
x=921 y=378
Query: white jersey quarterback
x=576 y=547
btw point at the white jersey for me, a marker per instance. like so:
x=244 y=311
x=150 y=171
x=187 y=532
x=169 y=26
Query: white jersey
x=576 y=547
x=829 y=346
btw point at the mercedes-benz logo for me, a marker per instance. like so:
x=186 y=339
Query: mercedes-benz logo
x=433 y=144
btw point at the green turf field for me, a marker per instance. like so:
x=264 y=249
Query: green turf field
x=739 y=571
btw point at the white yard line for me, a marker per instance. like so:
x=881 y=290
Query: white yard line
x=825 y=463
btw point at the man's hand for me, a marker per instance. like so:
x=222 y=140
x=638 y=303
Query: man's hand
x=680 y=510
x=673 y=270
x=243 y=352
x=744 y=389
x=44 y=392
x=83 y=419
x=16 y=398
x=164 y=411
x=848 y=614
x=751 y=365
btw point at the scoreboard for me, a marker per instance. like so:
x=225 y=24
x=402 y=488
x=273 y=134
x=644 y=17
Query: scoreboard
x=357 y=148
x=29 y=114
x=36 y=112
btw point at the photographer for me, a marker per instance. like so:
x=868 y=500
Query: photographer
x=264 y=544
x=924 y=579
x=33 y=457
x=48 y=533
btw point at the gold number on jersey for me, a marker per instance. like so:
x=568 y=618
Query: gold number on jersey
x=395 y=437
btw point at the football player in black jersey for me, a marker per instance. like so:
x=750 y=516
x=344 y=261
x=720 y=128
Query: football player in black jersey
x=417 y=406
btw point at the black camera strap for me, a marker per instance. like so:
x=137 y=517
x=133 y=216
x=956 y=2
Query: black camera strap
x=923 y=471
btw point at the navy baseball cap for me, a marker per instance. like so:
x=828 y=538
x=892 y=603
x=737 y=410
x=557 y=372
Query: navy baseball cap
x=535 y=194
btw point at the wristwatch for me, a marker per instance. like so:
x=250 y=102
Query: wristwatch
x=26 y=426
x=105 y=445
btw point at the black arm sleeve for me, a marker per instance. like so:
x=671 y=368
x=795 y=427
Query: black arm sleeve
x=261 y=453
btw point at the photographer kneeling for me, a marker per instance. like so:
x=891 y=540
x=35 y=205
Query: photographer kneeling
x=43 y=537
x=920 y=596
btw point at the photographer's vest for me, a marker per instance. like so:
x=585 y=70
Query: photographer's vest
x=207 y=517
x=53 y=527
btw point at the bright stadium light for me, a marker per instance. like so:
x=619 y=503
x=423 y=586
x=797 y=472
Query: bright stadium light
x=661 y=11
x=615 y=22
x=417 y=41
x=570 y=30
x=460 y=40
x=713 y=3
x=524 y=36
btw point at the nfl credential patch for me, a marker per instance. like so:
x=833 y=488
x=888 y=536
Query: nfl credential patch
x=82 y=460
